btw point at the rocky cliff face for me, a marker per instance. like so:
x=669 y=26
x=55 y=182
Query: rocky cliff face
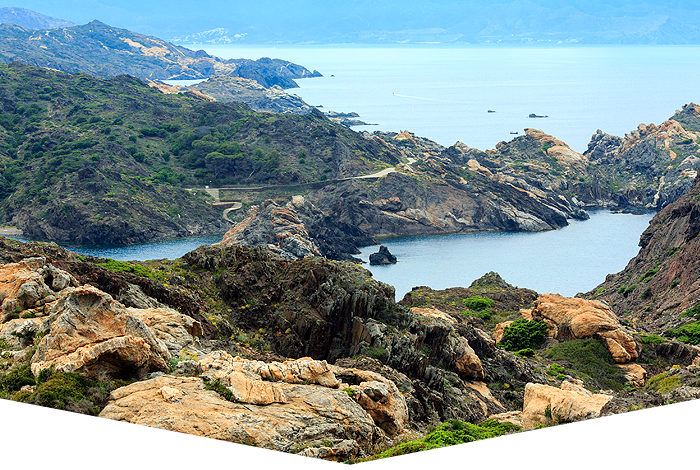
x=272 y=100
x=650 y=167
x=658 y=289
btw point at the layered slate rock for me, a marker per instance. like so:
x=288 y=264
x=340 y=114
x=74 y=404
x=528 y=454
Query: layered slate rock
x=573 y=318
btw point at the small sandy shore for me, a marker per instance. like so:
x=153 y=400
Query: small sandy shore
x=10 y=231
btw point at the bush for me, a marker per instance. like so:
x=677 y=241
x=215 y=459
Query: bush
x=688 y=333
x=523 y=334
x=16 y=379
x=477 y=303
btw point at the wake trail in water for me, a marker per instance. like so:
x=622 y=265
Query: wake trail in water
x=428 y=99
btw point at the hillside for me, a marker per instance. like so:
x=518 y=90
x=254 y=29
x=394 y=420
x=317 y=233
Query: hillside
x=93 y=162
x=103 y=51
x=658 y=290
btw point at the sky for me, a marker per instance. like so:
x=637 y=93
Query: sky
x=328 y=20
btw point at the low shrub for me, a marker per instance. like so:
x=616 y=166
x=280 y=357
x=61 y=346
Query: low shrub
x=477 y=303
x=523 y=334
x=688 y=333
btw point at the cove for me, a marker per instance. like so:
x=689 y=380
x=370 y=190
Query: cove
x=566 y=261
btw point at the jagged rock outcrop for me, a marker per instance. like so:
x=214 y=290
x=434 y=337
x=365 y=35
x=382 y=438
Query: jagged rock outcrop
x=656 y=164
x=383 y=256
x=273 y=99
x=297 y=230
x=573 y=318
x=277 y=228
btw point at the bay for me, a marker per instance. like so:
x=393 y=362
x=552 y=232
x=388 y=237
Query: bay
x=170 y=249
x=573 y=259
x=444 y=93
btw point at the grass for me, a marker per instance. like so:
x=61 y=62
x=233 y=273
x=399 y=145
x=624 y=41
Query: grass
x=590 y=361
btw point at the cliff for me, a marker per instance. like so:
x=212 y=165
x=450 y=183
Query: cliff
x=104 y=51
x=658 y=289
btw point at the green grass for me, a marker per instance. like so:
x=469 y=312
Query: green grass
x=688 y=333
x=126 y=267
x=590 y=361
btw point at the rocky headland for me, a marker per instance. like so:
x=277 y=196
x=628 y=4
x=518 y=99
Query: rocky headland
x=313 y=356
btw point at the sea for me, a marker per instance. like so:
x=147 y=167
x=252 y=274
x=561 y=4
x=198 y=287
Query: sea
x=481 y=95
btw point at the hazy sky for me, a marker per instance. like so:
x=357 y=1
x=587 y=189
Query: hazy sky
x=329 y=20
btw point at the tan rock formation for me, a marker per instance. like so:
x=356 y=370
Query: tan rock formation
x=260 y=383
x=547 y=405
x=499 y=329
x=381 y=399
x=573 y=318
x=312 y=414
x=176 y=330
x=513 y=417
x=91 y=331
x=24 y=286
x=635 y=374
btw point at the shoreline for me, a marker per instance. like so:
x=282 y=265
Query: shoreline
x=10 y=231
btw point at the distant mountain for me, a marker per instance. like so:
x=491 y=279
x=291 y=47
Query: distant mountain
x=30 y=19
x=103 y=51
x=398 y=21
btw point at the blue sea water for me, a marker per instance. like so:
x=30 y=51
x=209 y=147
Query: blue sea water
x=444 y=93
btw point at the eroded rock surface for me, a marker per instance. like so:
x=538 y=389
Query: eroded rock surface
x=546 y=405
x=573 y=318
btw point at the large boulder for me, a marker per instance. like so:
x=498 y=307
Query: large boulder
x=544 y=404
x=383 y=256
x=88 y=330
x=313 y=416
x=574 y=318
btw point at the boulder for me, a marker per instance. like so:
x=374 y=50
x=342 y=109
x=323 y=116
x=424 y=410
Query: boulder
x=574 y=318
x=312 y=417
x=88 y=330
x=378 y=396
x=544 y=404
x=383 y=256
x=635 y=374
x=30 y=284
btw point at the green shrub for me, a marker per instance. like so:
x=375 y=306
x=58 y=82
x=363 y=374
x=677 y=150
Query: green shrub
x=688 y=333
x=59 y=390
x=375 y=353
x=527 y=352
x=350 y=391
x=16 y=379
x=523 y=334
x=125 y=266
x=477 y=303
x=591 y=362
x=663 y=383
x=692 y=312
x=555 y=369
x=648 y=275
x=651 y=339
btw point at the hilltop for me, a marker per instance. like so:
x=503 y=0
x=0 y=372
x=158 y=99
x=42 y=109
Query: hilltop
x=30 y=19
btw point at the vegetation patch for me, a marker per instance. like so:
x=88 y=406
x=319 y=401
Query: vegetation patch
x=126 y=267
x=663 y=383
x=651 y=339
x=523 y=334
x=590 y=361
x=688 y=333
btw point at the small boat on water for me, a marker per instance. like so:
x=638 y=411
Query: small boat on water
x=513 y=132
